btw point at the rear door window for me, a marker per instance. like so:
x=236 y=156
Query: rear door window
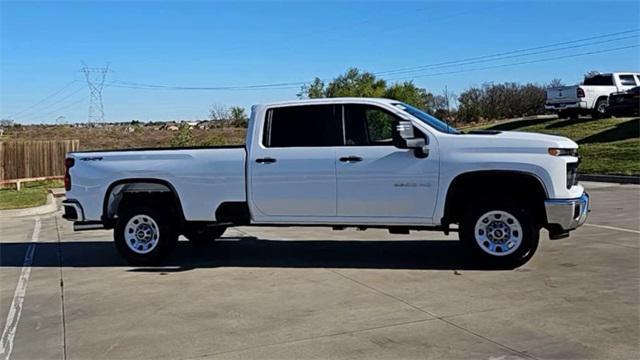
x=627 y=80
x=599 y=80
x=302 y=126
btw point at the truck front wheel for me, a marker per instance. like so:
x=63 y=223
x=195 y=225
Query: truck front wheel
x=144 y=236
x=502 y=235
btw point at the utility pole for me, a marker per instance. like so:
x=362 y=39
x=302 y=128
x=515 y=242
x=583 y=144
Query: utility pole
x=95 y=79
x=446 y=97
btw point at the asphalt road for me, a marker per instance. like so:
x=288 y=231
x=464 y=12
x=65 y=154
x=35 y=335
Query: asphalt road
x=301 y=293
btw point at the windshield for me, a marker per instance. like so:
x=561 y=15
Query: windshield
x=427 y=119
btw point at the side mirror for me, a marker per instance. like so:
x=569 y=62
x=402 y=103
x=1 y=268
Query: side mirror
x=404 y=138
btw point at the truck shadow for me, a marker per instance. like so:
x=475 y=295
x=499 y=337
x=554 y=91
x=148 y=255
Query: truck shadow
x=252 y=252
x=623 y=131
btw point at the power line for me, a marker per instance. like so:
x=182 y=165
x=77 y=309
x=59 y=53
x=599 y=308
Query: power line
x=519 y=63
x=65 y=107
x=134 y=85
x=397 y=72
x=513 y=51
x=54 y=104
x=267 y=86
x=44 y=99
x=460 y=62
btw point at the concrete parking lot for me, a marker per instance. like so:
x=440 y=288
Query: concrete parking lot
x=301 y=293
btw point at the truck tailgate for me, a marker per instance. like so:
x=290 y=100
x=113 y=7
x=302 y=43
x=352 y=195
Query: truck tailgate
x=564 y=94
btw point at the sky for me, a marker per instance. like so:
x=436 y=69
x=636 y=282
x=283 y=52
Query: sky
x=213 y=44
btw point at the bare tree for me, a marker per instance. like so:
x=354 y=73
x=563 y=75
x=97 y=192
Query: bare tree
x=554 y=83
x=592 y=73
x=6 y=122
x=219 y=113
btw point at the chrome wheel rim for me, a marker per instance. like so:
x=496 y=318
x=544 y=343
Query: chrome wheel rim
x=142 y=234
x=602 y=107
x=498 y=233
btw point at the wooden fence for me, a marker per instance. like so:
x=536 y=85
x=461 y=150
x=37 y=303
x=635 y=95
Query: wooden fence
x=32 y=159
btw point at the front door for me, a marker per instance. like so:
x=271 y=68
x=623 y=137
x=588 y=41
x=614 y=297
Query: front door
x=377 y=180
x=293 y=171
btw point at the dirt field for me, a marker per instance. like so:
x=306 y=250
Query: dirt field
x=119 y=137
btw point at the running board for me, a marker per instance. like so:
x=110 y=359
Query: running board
x=87 y=225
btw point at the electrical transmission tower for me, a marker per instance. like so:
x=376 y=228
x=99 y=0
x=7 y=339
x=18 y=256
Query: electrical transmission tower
x=95 y=79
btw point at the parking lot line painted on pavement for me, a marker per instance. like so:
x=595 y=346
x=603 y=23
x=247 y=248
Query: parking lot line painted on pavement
x=13 y=318
x=614 y=228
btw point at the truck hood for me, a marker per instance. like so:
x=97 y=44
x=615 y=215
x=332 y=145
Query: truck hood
x=545 y=139
x=519 y=139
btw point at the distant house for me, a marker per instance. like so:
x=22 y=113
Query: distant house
x=205 y=124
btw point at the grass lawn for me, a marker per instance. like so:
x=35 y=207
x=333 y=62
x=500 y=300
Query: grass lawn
x=607 y=146
x=32 y=194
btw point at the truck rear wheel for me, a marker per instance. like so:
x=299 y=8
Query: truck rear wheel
x=500 y=234
x=144 y=236
x=205 y=235
x=601 y=109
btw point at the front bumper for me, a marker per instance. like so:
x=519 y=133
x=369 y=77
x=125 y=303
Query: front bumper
x=564 y=215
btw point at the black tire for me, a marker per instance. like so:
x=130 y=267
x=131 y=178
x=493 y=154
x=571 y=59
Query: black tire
x=205 y=236
x=527 y=223
x=165 y=242
x=601 y=110
x=568 y=114
x=563 y=114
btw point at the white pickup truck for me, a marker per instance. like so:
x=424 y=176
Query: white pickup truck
x=340 y=162
x=590 y=97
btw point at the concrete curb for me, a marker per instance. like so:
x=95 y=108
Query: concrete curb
x=50 y=207
x=57 y=192
x=618 y=179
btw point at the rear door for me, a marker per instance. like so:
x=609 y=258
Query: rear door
x=626 y=81
x=378 y=182
x=293 y=172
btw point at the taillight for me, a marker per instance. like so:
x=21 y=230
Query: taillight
x=580 y=92
x=68 y=164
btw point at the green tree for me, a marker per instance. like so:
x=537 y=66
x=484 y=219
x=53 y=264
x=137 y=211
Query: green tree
x=238 y=116
x=183 y=137
x=314 y=90
x=409 y=93
x=357 y=83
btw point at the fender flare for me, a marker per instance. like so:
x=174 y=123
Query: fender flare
x=105 y=203
x=451 y=189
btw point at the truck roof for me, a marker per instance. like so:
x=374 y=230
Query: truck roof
x=616 y=73
x=335 y=100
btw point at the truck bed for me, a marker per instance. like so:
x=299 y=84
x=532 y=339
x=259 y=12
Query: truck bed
x=202 y=177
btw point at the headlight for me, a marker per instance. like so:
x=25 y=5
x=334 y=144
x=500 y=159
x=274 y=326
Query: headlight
x=563 y=152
